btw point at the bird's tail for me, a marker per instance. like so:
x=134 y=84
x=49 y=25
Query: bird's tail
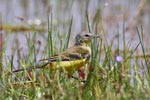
x=30 y=68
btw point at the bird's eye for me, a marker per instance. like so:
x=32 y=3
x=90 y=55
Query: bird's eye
x=86 y=35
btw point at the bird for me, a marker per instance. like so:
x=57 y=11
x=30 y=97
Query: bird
x=73 y=58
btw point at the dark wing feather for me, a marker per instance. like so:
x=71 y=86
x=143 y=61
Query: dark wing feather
x=64 y=57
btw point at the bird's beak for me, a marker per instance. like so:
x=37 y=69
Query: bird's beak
x=96 y=36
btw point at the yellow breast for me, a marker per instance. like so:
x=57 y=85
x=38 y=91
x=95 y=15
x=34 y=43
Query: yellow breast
x=69 y=66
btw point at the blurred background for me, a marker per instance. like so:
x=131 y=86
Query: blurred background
x=22 y=18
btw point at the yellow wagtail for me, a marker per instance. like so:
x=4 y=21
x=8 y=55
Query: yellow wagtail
x=72 y=58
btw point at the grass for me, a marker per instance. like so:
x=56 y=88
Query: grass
x=109 y=80
x=106 y=78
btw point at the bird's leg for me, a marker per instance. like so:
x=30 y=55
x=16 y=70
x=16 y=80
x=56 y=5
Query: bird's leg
x=76 y=78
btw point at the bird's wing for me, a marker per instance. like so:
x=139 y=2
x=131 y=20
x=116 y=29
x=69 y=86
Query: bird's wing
x=64 y=57
x=59 y=57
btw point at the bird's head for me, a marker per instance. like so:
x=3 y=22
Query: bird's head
x=85 y=37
